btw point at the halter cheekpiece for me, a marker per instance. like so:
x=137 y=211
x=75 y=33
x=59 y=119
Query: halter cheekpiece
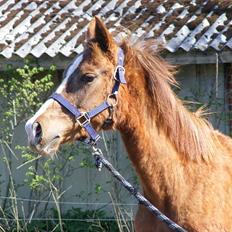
x=84 y=118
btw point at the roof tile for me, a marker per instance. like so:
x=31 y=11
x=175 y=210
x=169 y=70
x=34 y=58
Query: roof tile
x=51 y=27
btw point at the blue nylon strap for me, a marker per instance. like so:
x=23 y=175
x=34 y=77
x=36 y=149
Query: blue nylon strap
x=120 y=69
x=66 y=104
x=119 y=73
x=92 y=133
x=97 y=110
x=115 y=88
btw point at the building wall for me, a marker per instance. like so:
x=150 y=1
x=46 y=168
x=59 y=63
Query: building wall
x=228 y=78
x=200 y=85
x=197 y=83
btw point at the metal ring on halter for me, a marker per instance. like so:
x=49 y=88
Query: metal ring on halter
x=112 y=95
x=116 y=70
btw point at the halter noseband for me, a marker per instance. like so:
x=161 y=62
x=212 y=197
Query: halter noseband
x=84 y=118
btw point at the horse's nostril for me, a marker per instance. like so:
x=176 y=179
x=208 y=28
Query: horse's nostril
x=37 y=131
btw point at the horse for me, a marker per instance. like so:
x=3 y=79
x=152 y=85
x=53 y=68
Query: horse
x=184 y=165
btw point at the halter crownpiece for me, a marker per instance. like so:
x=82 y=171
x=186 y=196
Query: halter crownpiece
x=84 y=118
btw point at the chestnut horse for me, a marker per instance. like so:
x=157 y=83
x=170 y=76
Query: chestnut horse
x=184 y=165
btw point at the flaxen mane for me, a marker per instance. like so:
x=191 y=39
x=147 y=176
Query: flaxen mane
x=191 y=134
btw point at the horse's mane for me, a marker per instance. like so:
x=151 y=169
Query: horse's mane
x=190 y=133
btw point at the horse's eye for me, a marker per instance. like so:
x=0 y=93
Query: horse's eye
x=88 y=77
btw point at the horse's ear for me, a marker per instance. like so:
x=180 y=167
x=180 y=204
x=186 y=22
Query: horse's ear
x=98 y=32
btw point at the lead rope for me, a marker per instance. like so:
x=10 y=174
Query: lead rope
x=100 y=161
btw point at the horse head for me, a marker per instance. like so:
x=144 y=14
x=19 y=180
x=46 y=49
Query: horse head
x=88 y=81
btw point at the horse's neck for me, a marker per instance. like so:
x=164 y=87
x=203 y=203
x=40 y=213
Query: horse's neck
x=153 y=156
x=155 y=161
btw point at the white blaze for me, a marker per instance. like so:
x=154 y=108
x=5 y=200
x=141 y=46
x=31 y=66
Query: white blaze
x=70 y=70
x=42 y=109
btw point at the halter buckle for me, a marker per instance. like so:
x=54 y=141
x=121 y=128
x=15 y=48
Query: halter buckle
x=83 y=119
x=118 y=68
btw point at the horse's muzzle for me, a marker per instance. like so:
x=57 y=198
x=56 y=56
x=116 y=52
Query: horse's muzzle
x=34 y=133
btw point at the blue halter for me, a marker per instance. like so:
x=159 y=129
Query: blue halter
x=84 y=118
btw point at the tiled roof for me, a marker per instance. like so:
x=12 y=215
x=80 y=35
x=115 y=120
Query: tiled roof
x=51 y=27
